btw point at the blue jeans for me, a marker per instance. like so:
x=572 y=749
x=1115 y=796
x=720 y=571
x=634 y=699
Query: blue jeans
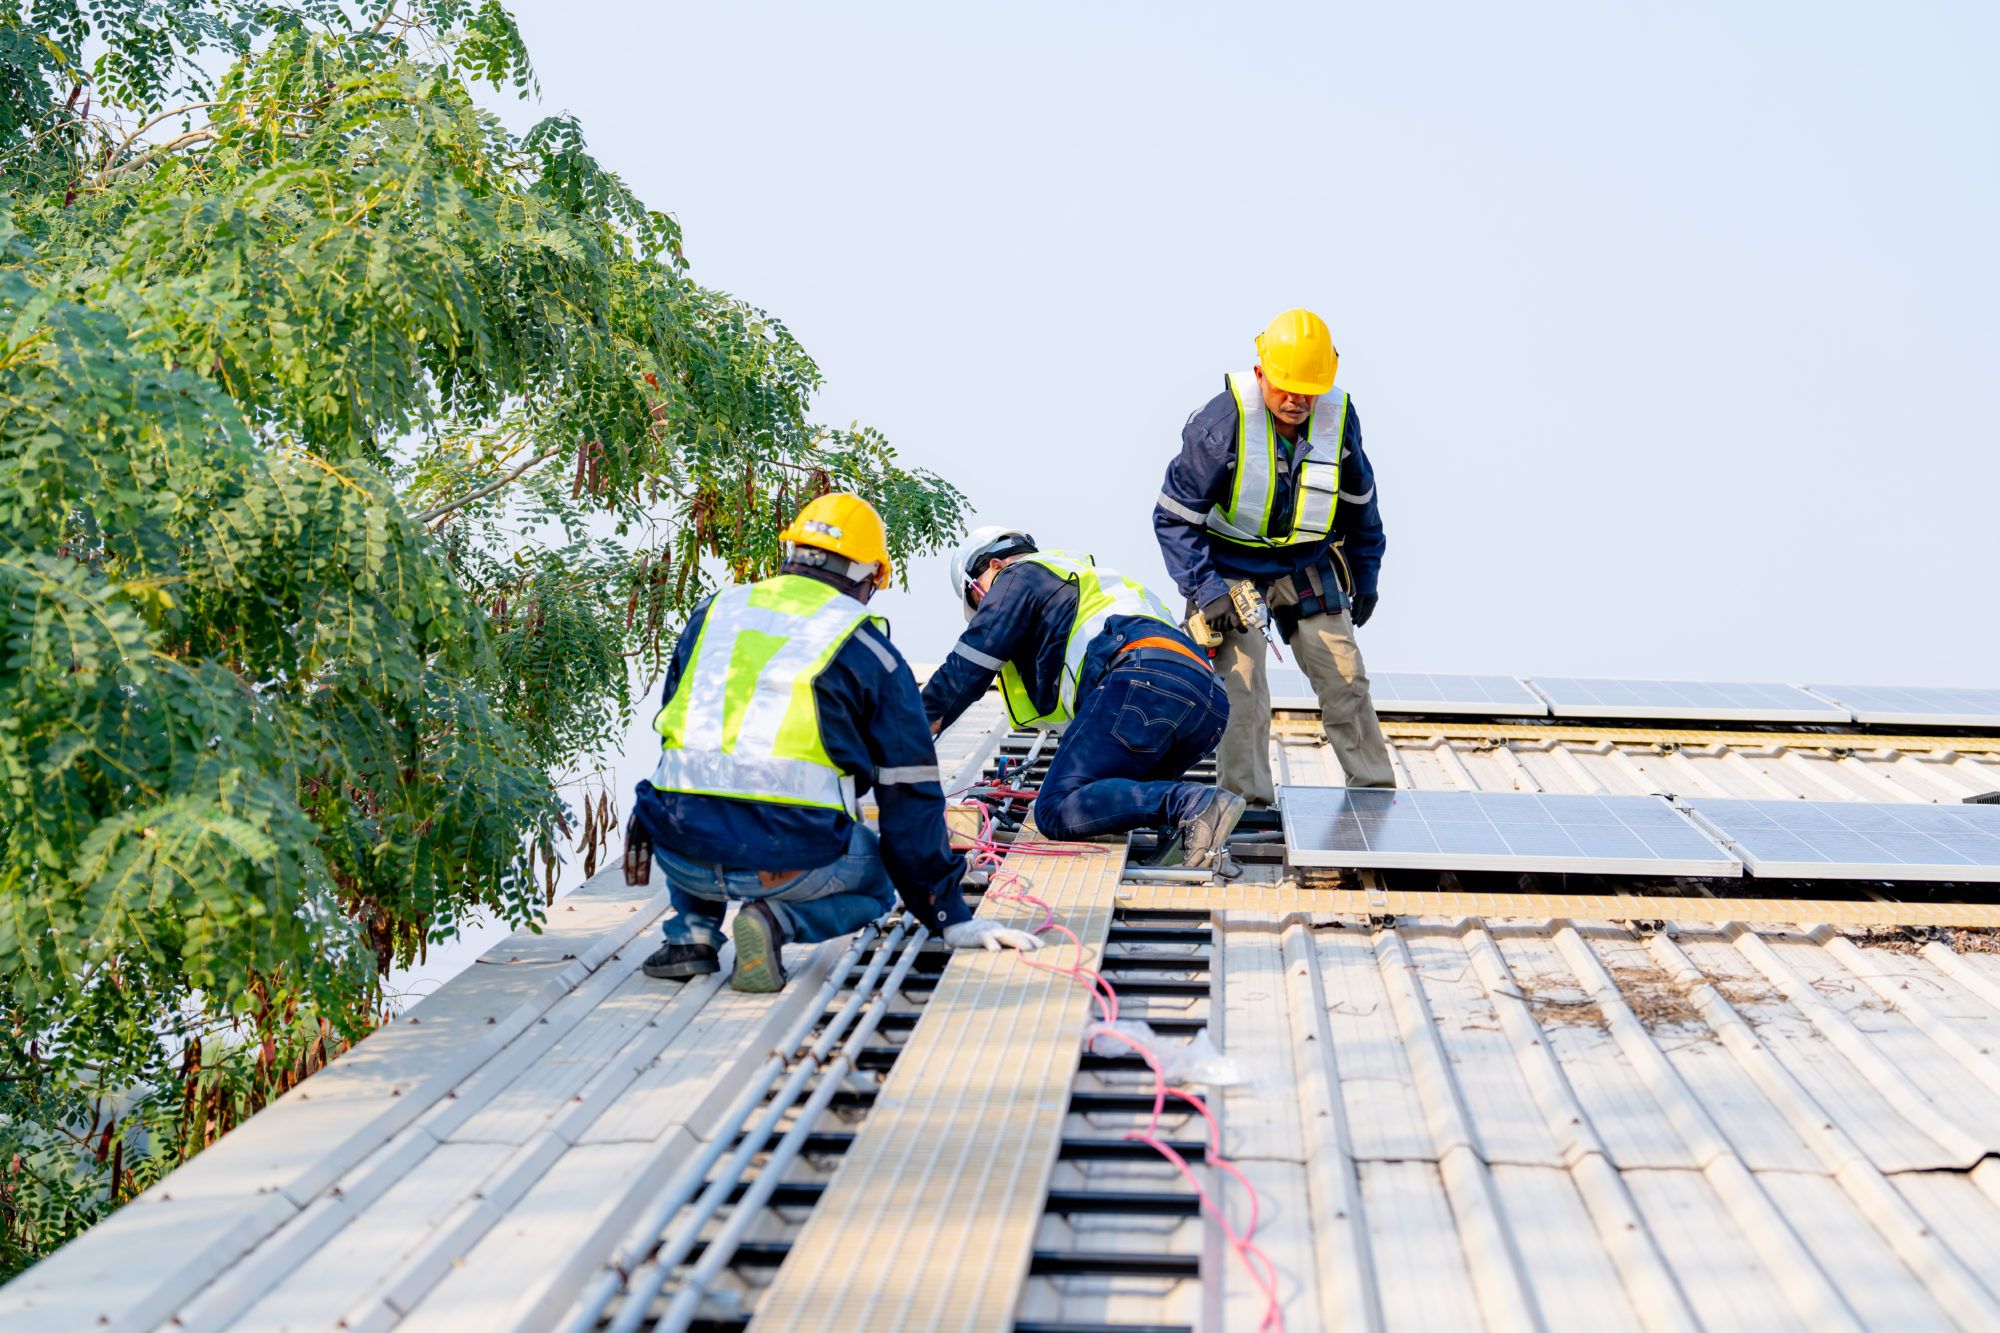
x=813 y=905
x=1120 y=763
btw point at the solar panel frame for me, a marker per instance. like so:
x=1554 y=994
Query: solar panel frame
x=1685 y=700
x=1524 y=832
x=1421 y=692
x=1915 y=705
x=1857 y=839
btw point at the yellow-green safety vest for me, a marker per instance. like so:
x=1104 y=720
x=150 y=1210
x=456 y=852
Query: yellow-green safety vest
x=1101 y=594
x=1247 y=517
x=743 y=720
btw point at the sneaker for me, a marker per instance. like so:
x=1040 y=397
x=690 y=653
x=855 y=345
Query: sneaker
x=1204 y=837
x=678 y=962
x=760 y=943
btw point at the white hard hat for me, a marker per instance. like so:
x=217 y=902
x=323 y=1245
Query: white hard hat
x=980 y=546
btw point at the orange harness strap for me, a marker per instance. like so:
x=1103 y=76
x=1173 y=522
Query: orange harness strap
x=1159 y=641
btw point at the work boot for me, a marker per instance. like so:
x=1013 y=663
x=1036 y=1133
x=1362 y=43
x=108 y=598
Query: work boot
x=678 y=962
x=1205 y=837
x=1171 y=850
x=760 y=943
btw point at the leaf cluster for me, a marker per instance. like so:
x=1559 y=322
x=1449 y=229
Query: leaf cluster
x=354 y=451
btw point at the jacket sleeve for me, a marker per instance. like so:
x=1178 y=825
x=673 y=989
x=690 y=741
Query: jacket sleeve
x=909 y=798
x=1357 y=519
x=1004 y=622
x=1196 y=481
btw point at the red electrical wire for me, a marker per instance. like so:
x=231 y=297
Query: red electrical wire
x=1263 y=1272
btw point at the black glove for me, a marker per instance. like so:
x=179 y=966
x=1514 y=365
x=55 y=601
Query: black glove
x=638 y=852
x=1286 y=618
x=1221 y=615
x=1364 y=607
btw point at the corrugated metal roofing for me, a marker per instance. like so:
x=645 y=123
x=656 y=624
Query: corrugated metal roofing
x=1531 y=1124
x=1451 y=1121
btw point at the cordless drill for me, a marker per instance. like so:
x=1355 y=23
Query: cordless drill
x=1250 y=609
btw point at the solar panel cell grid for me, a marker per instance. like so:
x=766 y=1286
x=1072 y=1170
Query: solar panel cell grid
x=1365 y=827
x=1839 y=840
x=1741 y=701
x=1419 y=692
x=1916 y=705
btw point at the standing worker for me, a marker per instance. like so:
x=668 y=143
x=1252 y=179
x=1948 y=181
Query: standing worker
x=785 y=701
x=1092 y=652
x=1271 y=492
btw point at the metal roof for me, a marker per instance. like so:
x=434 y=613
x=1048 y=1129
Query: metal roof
x=1522 y=1118
x=1535 y=1124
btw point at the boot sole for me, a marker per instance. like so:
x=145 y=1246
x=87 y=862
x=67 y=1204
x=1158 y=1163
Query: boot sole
x=1220 y=843
x=681 y=971
x=759 y=968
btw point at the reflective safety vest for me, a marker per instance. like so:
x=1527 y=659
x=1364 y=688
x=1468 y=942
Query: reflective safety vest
x=1247 y=516
x=743 y=720
x=1101 y=594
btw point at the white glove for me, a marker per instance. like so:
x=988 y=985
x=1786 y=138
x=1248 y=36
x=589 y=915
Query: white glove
x=990 y=934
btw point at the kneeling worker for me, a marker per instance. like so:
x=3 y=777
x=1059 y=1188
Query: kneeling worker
x=1085 y=649
x=1269 y=492
x=785 y=701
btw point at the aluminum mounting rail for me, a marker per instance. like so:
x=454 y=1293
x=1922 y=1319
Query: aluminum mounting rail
x=634 y=1251
x=956 y=1155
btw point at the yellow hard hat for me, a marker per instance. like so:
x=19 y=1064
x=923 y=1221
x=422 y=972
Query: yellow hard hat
x=1298 y=353
x=846 y=525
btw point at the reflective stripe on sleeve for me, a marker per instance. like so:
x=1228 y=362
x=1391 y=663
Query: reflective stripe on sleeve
x=977 y=658
x=1181 y=511
x=881 y=651
x=1360 y=499
x=907 y=775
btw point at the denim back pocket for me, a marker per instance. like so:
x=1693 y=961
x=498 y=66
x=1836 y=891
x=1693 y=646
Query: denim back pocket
x=1151 y=713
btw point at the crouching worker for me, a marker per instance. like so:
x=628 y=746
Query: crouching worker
x=785 y=701
x=1092 y=652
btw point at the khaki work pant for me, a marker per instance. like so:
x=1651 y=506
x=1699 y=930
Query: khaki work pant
x=1325 y=650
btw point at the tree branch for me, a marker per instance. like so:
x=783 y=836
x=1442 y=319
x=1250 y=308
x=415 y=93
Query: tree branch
x=429 y=517
x=147 y=125
x=105 y=176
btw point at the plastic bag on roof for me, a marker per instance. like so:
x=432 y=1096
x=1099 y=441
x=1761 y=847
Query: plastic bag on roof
x=1181 y=1062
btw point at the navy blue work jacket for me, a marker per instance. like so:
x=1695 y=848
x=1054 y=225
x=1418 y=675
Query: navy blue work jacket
x=1025 y=618
x=1201 y=476
x=870 y=717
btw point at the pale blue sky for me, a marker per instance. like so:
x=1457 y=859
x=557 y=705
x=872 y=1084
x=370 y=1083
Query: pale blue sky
x=1672 y=329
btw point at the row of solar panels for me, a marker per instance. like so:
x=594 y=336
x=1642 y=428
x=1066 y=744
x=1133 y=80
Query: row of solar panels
x=1679 y=700
x=1638 y=835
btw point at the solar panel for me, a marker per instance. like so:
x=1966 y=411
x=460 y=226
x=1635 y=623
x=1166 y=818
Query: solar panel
x=1859 y=840
x=1689 y=700
x=1518 y=831
x=1418 y=692
x=1916 y=705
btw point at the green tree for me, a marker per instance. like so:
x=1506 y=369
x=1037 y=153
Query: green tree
x=354 y=453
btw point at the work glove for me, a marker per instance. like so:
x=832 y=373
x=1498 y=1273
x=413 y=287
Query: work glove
x=981 y=933
x=1286 y=618
x=1221 y=615
x=1364 y=607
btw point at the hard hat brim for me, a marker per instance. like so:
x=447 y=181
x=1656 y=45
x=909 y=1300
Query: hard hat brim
x=1289 y=385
